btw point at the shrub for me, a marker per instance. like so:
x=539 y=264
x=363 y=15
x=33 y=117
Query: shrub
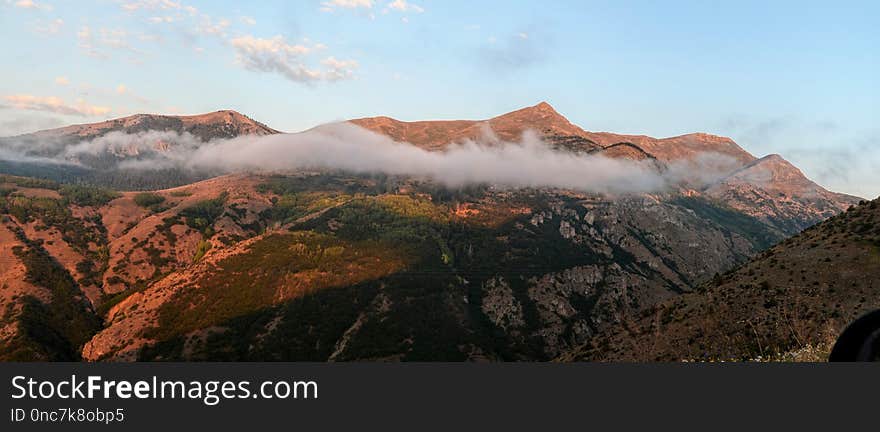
x=148 y=199
x=202 y=214
x=87 y=196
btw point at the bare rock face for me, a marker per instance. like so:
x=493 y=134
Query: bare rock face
x=500 y=305
x=775 y=191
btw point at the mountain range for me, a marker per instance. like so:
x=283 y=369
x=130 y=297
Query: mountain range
x=329 y=265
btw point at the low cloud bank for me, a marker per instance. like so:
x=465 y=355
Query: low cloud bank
x=343 y=146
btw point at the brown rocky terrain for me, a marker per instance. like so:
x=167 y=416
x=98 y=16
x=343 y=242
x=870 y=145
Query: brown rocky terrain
x=797 y=296
x=547 y=122
x=435 y=135
x=775 y=191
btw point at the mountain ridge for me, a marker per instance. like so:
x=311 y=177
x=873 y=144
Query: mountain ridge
x=548 y=122
x=238 y=124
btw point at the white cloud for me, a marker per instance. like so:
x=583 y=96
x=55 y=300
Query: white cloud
x=96 y=44
x=246 y=20
x=213 y=27
x=331 y=5
x=516 y=51
x=338 y=70
x=62 y=80
x=30 y=4
x=87 y=44
x=276 y=55
x=55 y=105
x=168 y=11
x=162 y=19
x=403 y=6
x=121 y=89
x=530 y=162
x=152 y=5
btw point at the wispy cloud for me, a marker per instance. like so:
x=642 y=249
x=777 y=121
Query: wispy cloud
x=332 y=5
x=528 y=163
x=213 y=27
x=15 y=125
x=517 y=51
x=55 y=105
x=403 y=6
x=51 y=27
x=166 y=5
x=276 y=55
x=30 y=4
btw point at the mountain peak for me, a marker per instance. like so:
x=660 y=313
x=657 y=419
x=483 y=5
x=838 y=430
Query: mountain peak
x=542 y=110
x=544 y=106
x=542 y=118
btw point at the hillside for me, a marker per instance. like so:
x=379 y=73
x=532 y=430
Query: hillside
x=797 y=295
x=252 y=264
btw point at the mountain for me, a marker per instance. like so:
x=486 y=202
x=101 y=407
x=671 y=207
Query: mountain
x=218 y=124
x=769 y=188
x=545 y=120
x=789 y=302
x=47 y=154
x=775 y=191
x=436 y=135
x=328 y=265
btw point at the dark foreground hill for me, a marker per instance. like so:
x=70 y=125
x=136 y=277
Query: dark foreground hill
x=796 y=296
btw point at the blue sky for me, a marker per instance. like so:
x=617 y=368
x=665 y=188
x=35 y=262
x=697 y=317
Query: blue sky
x=795 y=78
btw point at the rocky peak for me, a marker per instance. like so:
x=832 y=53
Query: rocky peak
x=542 y=118
x=774 y=172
